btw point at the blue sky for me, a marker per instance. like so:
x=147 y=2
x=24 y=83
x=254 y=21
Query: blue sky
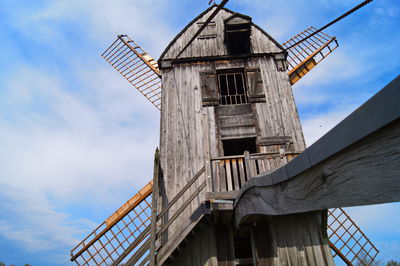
x=76 y=140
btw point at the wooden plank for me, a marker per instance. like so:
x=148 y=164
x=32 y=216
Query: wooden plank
x=247 y=165
x=215 y=176
x=235 y=174
x=221 y=195
x=204 y=142
x=213 y=261
x=222 y=175
x=154 y=205
x=225 y=245
x=228 y=175
x=242 y=173
x=253 y=168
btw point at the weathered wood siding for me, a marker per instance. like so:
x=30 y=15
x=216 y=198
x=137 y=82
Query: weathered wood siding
x=182 y=149
x=191 y=133
x=200 y=249
x=296 y=239
x=211 y=41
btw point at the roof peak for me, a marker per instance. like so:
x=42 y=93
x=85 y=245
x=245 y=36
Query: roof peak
x=234 y=14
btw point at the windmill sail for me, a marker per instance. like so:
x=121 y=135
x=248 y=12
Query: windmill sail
x=307 y=54
x=135 y=65
x=348 y=241
x=126 y=231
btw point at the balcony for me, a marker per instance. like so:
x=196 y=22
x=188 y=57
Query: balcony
x=230 y=173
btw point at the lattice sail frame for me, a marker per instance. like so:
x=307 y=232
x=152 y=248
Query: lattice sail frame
x=348 y=241
x=136 y=66
x=307 y=54
x=125 y=232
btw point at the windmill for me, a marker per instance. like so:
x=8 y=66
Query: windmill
x=223 y=87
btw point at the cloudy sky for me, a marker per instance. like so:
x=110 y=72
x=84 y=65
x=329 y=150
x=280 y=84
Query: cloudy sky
x=76 y=140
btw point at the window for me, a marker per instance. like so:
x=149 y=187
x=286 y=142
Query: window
x=232 y=88
x=237 y=34
x=239 y=146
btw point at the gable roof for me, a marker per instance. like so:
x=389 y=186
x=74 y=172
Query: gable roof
x=247 y=18
x=164 y=53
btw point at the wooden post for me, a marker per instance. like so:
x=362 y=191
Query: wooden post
x=247 y=164
x=153 y=229
x=208 y=167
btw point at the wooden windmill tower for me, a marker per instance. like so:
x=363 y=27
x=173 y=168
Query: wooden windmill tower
x=227 y=116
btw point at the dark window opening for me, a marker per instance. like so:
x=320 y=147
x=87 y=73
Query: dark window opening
x=232 y=88
x=237 y=36
x=243 y=249
x=239 y=146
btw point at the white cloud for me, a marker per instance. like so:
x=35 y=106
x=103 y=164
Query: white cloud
x=60 y=148
x=31 y=220
x=98 y=21
x=75 y=134
x=71 y=144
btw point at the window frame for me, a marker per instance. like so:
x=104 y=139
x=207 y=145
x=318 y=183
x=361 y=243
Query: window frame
x=235 y=98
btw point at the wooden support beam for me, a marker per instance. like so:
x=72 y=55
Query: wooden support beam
x=356 y=163
x=153 y=229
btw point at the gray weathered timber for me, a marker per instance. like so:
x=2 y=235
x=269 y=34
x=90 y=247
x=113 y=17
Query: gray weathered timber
x=296 y=239
x=183 y=143
x=356 y=163
x=194 y=124
x=181 y=233
x=200 y=248
x=154 y=204
x=211 y=41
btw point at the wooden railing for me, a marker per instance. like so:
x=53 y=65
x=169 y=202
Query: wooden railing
x=229 y=173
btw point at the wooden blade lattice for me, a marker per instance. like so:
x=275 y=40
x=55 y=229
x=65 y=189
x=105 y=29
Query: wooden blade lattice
x=126 y=231
x=307 y=54
x=135 y=65
x=348 y=241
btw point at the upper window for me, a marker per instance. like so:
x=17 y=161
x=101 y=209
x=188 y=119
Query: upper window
x=237 y=34
x=232 y=87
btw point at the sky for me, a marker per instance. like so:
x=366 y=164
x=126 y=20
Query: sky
x=77 y=141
